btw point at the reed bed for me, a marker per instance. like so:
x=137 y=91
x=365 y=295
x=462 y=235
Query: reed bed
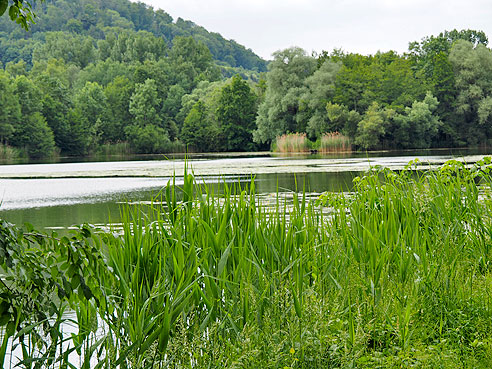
x=334 y=142
x=9 y=153
x=330 y=142
x=398 y=274
x=292 y=143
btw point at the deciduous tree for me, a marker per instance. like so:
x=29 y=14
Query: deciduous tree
x=373 y=126
x=236 y=115
x=198 y=132
x=278 y=113
x=473 y=70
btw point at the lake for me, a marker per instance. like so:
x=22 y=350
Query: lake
x=58 y=195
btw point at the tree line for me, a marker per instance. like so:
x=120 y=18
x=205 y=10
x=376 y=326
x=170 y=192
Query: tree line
x=438 y=94
x=89 y=75
x=97 y=21
x=161 y=103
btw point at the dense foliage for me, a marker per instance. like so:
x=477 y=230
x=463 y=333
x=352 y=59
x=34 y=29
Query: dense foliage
x=99 y=21
x=397 y=274
x=91 y=77
x=435 y=95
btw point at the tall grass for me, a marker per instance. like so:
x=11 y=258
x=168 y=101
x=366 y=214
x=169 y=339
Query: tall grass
x=9 y=153
x=292 y=143
x=396 y=274
x=124 y=148
x=333 y=142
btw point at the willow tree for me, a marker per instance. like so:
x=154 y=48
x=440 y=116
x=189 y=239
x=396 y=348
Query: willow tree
x=419 y=125
x=280 y=112
x=473 y=70
x=320 y=90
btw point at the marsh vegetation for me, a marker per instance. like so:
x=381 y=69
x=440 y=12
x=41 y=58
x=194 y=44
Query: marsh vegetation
x=395 y=273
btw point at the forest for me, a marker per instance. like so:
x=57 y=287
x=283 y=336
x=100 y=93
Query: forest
x=120 y=77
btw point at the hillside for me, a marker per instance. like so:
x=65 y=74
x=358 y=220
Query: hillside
x=102 y=19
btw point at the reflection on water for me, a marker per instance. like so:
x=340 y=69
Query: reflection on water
x=207 y=156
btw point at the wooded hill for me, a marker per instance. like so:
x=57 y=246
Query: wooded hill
x=117 y=76
x=102 y=20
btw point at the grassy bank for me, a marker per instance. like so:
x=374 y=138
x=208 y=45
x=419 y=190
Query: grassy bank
x=396 y=274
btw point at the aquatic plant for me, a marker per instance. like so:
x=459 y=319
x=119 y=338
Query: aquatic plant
x=333 y=142
x=291 y=143
x=396 y=273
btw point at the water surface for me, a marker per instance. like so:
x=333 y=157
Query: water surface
x=62 y=194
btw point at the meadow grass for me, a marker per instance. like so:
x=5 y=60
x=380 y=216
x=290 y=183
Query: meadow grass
x=395 y=274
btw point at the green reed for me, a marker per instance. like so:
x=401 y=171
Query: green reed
x=395 y=274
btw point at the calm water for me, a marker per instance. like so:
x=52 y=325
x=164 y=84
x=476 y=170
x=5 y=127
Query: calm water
x=63 y=194
x=47 y=203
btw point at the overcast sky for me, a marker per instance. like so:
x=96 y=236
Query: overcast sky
x=363 y=26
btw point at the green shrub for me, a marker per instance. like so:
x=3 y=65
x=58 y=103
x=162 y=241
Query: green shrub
x=149 y=139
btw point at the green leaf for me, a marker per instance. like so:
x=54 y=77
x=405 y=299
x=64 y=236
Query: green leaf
x=13 y=12
x=86 y=290
x=223 y=260
x=297 y=305
x=3 y=6
x=165 y=330
x=204 y=323
x=9 y=331
x=4 y=319
x=75 y=281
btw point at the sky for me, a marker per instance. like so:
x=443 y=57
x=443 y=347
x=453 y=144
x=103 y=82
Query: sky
x=362 y=26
